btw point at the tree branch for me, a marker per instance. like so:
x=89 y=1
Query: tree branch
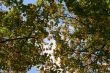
x=16 y=39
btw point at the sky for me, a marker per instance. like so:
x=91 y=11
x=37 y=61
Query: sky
x=29 y=1
x=33 y=70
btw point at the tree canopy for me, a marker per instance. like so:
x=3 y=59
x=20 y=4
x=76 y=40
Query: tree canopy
x=80 y=29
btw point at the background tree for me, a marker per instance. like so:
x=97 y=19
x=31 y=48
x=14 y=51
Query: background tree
x=90 y=41
x=83 y=48
x=22 y=30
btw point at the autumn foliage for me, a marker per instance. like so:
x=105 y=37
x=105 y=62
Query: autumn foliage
x=80 y=29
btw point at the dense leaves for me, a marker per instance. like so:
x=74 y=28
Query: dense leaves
x=80 y=30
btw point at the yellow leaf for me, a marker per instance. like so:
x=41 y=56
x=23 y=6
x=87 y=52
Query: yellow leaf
x=42 y=70
x=58 y=45
x=39 y=2
x=9 y=63
x=14 y=72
